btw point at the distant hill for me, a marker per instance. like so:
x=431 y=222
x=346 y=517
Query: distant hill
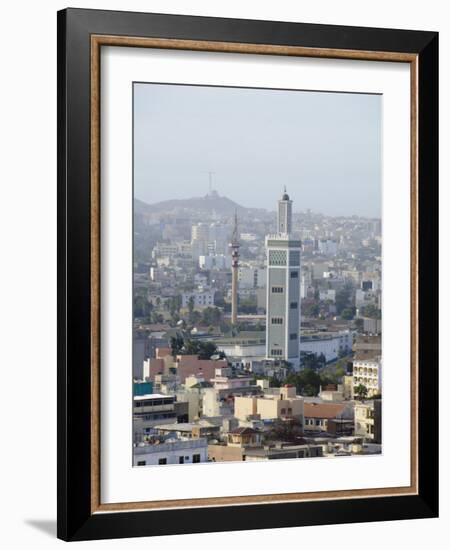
x=209 y=203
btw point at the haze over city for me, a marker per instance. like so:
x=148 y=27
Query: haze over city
x=326 y=147
x=257 y=289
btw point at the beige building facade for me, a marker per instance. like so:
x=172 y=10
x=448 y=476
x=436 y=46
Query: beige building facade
x=267 y=407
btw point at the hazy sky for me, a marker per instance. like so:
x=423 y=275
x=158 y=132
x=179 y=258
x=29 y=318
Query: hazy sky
x=325 y=147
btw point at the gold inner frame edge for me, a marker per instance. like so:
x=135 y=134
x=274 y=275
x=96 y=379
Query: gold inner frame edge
x=97 y=41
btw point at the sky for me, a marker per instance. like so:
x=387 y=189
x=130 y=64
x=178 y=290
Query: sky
x=324 y=147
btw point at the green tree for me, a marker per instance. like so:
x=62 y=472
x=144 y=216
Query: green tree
x=360 y=391
x=343 y=298
x=311 y=310
x=274 y=382
x=211 y=316
x=176 y=345
x=313 y=361
x=348 y=313
x=372 y=311
x=204 y=350
x=307 y=381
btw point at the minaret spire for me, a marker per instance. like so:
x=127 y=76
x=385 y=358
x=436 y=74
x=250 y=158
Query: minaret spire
x=235 y=237
x=285 y=214
x=234 y=247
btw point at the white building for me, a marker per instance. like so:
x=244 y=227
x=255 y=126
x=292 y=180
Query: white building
x=249 y=237
x=179 y=451
x=283 y=288
x=305 y=283
x=209 y=239
x=328 y=295
x=165 y=250
x=365 y=297
x=331 y=344
x=214 y=261
x=219 y=235
x=201 y=299
x=251 y=277
x=368 y=420
x=327 y=247
x=367 y=372
x=157 y=275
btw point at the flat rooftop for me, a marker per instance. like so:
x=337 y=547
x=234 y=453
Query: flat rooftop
x=151 y=396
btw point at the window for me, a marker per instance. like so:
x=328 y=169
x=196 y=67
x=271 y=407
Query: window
x=141 y=463
x=294 y=274
x=277 y=290
x=294 y=305
x=181 y=460
x=195 y=458
x=277 y=320
x=293 y=336
x=277 y=257
x=162 y=461
x=276 y=352
x=283 y=411
x=294 y=259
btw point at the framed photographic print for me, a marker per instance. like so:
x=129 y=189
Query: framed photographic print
x=247 y=253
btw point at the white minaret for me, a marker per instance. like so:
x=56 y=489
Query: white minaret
x=284 y=214
x=234 y=247
x=283 y=288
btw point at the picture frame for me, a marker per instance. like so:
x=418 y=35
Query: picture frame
x=81 y=36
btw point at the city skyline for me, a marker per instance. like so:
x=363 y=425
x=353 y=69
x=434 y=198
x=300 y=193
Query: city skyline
x=272 y=210
x=256 y=326
x=326 y=147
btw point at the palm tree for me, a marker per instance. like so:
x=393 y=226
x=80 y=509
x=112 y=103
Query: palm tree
x=361 y=391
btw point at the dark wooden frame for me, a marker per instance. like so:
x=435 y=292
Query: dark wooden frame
x=80 y=35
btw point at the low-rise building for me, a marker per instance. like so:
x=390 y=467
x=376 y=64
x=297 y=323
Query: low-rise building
x=245 y=348
x=191 y=430
x=330 y=344
x=282 y=451
x=284 y=404
x=150 y=410
x=189 y=365
x=368 y=420
x=319 y=414
x=200 y=298
x=214 y=261
x=243 y=436
x=221 y=402
x=332 y=392
x=189 y=451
